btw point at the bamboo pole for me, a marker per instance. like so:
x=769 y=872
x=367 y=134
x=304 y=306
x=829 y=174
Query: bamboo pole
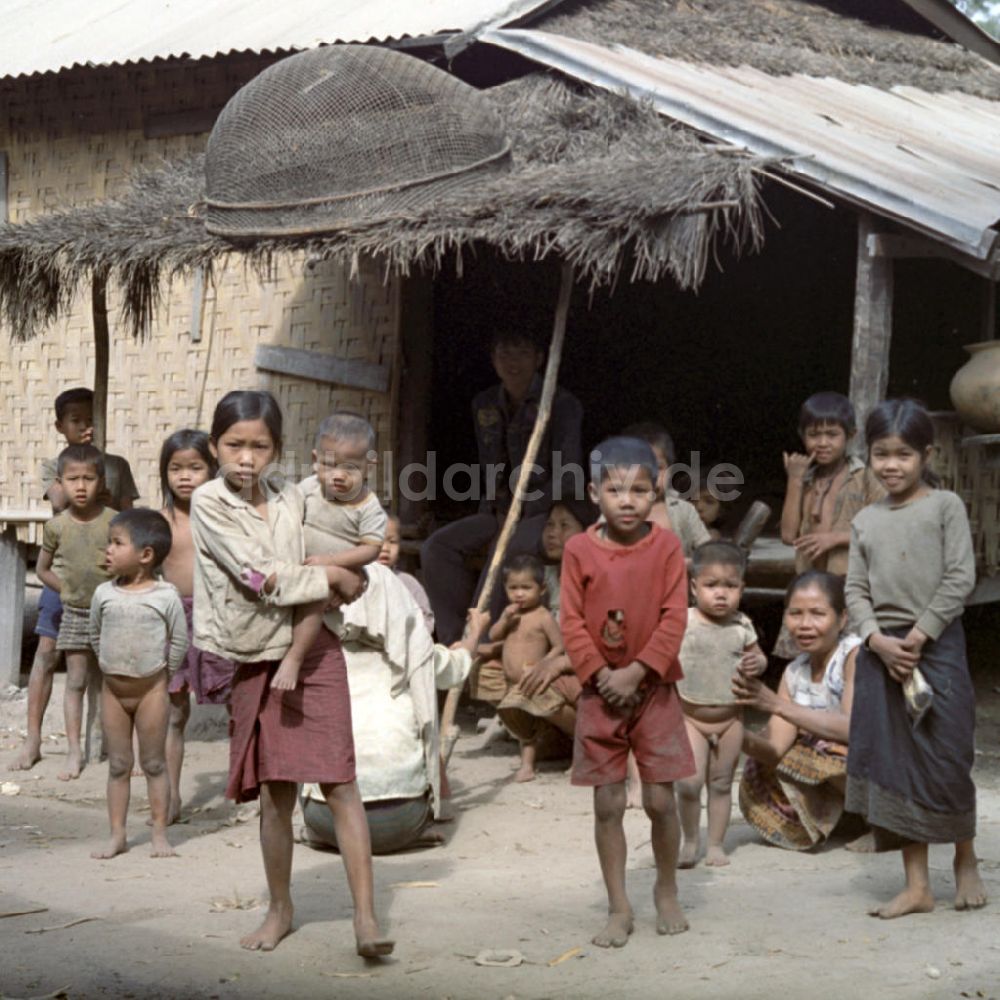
x=449 y=731
x=99 y=309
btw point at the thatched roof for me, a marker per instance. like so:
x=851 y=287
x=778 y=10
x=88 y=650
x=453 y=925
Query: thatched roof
x=598 y=179
x=813 y=37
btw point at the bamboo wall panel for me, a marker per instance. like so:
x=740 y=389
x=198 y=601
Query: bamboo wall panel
x=76 y=138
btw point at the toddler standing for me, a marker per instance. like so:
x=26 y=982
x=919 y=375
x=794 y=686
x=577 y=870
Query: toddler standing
x=624 y=605
x=138 y=632
x=719 y=641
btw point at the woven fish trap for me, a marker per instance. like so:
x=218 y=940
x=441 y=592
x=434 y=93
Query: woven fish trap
x=342 y=135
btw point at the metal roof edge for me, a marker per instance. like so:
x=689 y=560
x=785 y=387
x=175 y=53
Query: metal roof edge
x=960 y=28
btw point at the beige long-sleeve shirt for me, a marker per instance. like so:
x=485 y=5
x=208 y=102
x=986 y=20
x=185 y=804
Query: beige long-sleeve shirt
x=912 y=564
x=236 y=550
x=136 y=633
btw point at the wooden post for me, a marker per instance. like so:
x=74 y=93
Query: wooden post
x=449 y=730
x=989 y=310
x=99 y=309
x=872 y=324
x=12 y=572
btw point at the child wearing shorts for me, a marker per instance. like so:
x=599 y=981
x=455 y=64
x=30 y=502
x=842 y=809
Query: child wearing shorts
x=624 y=608
x=72 y=563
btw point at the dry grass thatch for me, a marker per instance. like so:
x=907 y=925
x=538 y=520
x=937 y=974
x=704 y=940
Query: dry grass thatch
x=597 y=179
x=814 y=37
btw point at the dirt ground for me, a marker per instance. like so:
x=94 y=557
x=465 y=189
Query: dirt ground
x=517 y=871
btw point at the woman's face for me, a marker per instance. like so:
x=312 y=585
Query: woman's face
x=243 y=452
x=559 y=528
x=814 y=624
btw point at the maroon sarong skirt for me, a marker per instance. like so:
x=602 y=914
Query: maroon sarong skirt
x=302 y=735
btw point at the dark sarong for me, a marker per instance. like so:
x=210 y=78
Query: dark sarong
x=301 y=735
x=914 y=783
x=209 y=676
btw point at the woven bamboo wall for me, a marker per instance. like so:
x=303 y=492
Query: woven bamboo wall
x=75 y=138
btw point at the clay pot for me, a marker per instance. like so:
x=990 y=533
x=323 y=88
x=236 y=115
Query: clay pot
x=975 y=388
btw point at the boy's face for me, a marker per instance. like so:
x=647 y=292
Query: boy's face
x=625 y=497
x=389 y=553
x=82 y=484
x=515 y=364
x=826 y=443
x=342 y=466
x=717 y=589
x=121 y=556
x=77 y=423
x=523 y=589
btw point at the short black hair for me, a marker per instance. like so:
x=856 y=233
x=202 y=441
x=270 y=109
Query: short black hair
x=653 y=434
x=525 y=561
x=622 y=452
x=827 y=408
x=718 y=553
x=86 y=454
x=831 y=585
x=345 y=425
x=147 y=529
x=908 y=420
x=70 y=396
x=515 y=337
x=247 y=404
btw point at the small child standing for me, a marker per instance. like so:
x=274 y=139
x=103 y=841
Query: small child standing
x=719 y=641
x=624 y=606
x=344 y=521
x=139 y=635
x=529 y=633
x=74 y=542
x=186 y=462
x=388 y=556
x=911 y=569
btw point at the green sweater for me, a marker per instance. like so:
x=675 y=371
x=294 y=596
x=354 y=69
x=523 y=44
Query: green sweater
x=910 y=565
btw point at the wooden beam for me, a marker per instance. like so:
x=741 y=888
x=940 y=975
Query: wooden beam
x=872 y=324
x=99 y=307
x=12 y=573
x=899 y=245
x=989 y=314
x=320 y=367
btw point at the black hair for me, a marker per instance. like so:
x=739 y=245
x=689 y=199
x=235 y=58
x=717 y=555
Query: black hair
x=581 y=508
x=183 y=440
x=653 y=434
x=718 y=553
x=84 y=453
x=514 y=337
x=908 y=420
x=831 y=585
x=345 y=425
x=827 y=408
x=247 y=404
x=525 y=561
x=147 y=529
x=622 y=452
x=66 y=398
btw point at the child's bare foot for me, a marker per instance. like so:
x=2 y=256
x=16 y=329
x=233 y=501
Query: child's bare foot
x=865 y=844
x=276 y=925
x=970 y=893
x=369 y=940
x=670 y=917
x=117 y=845
x=524 y=773
x=159 y=846
x=30 y=755
x=714 y=856
x=74 y=765
x=616 y=931
x=688 y=855
x=908 y=901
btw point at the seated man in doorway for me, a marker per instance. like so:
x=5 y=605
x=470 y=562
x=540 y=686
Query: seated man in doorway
x=504 y=416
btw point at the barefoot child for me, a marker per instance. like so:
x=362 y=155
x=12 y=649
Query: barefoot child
x=344 y=521
x=911 y=569
x=249 y=549
x=388 y=556
x=138 y=633
x=72 y=563
x=186 y=462
x=718 y=642
x=624 y=605
x=529 y=633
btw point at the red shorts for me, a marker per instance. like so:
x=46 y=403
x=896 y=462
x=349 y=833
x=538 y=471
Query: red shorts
x=654 y=732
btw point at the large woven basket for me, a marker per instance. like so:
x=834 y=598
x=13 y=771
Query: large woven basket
x=342 y=135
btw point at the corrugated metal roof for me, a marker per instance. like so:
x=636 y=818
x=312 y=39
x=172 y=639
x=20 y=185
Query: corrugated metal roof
x=931 y=161
x=40 y=36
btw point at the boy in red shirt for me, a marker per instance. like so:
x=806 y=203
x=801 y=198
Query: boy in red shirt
x=623 y=614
